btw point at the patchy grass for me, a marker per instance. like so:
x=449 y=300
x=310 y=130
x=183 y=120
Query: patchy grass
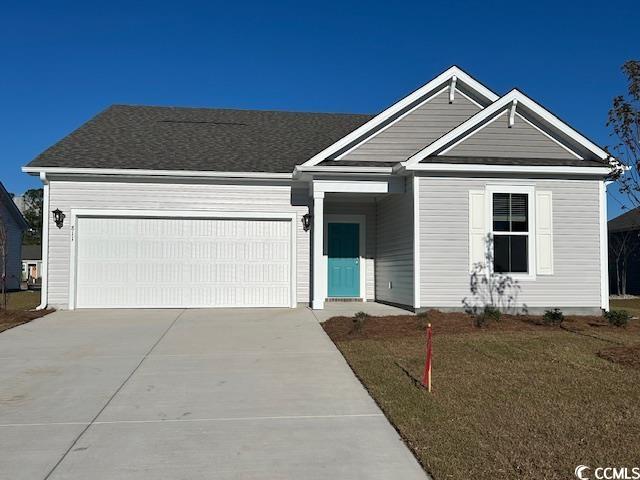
x=516 y=399
x=631 y=305
x=24 y=300
x=20 y=307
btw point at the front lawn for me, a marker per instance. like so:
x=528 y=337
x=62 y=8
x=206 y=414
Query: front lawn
x=20 y=309
x=513 y=400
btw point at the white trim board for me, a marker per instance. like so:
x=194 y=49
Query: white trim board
x=515 y=169
x=386 y=114
x=361 y=220
x=390 y=184
x=133 y=172
x=416 y=242
x=186 y=214
x=604 y=249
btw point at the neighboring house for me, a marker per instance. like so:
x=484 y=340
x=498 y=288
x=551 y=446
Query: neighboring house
x=31 y=264
x=196 y=207
x=19 y=201
x=624 y=253
x=14 y=226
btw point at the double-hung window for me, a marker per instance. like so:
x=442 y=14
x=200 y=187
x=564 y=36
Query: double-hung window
x=511 y=228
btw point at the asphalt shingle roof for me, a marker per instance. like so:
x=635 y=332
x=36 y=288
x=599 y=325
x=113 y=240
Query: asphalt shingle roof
x=170 y=138
x=625 y=222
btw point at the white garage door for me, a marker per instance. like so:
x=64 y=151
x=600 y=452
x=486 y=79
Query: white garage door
x=182 y=262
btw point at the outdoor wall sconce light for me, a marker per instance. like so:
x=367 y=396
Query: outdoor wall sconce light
x=306 y=222
x=58 y=217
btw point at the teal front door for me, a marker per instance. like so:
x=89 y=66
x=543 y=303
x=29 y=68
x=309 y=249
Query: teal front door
x=343 y=251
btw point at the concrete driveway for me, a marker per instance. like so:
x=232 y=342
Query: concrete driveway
x=188 y=394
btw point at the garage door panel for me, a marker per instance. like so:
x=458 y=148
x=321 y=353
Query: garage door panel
x=161 y=262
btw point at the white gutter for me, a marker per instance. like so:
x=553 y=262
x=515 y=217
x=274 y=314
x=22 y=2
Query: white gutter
x=528 y=169
x=154 y=173
x=44 y=267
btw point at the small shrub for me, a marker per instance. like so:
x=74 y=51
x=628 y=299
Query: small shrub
x=489 y=314
x=492 y=312
x=553 y=317
x=358 y=321
x=618 y=318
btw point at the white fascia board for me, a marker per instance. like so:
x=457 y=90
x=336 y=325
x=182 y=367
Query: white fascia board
x=444 y=77
x=497 y=107
x=342 y=169
x=131 y=172
x=533 y=169
x=392 y=184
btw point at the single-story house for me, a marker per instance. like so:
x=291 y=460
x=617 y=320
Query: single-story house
x=199 y=207
x=624 y=253
x=13 y=226
x=31 y=263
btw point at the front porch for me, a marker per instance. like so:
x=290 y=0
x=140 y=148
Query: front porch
x=349 y=309
x=362 y=243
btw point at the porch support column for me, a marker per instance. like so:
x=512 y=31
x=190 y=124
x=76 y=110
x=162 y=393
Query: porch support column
x=319 y=271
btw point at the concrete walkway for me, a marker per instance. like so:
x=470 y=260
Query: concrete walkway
x=188 y=394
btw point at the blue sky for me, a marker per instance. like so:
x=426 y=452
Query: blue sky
x=65 y=61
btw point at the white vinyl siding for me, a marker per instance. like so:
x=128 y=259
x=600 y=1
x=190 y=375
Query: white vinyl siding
x=522 y=140
x=182 y=262
x=444 y=243
x=416 y=129
x=394 y=252
x=208 y=197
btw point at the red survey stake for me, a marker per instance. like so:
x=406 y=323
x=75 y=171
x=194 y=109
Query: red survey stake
x=426 y=378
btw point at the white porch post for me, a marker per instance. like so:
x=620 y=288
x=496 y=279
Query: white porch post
x=319 y=273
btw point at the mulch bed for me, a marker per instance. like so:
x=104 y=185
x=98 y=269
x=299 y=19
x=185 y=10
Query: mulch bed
x=13 y=318
x=628 y=356
x=346 y=328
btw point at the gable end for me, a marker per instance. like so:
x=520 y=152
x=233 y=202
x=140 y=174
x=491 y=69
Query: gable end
x=414 y=129
x=496 y=138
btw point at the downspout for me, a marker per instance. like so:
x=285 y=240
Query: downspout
x=45 y=243
x=604 y=248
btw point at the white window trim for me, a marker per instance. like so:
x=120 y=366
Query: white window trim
x=531 y=243
x=361 y=220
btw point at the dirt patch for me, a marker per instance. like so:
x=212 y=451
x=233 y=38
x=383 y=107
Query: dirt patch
x=346 y=328
x=13 y=318
x=628 y=356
